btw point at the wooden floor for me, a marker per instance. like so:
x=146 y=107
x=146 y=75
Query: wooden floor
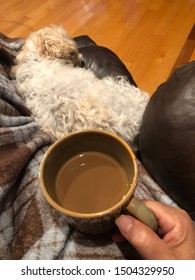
x=151 y=37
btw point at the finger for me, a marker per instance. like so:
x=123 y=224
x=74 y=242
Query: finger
x=145 y=241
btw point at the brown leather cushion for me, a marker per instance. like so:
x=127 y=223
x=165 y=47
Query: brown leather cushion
x=167 y=137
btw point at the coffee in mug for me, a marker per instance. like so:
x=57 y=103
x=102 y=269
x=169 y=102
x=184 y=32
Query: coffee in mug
x=90 y=177
x=90 y=182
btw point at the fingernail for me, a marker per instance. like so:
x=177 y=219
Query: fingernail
x=124 y=223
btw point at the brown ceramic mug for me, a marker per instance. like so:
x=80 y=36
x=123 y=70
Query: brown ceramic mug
x=102 y=195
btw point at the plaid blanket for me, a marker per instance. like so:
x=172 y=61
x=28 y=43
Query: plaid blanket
x=29 y=227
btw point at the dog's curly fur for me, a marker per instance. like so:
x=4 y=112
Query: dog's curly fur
x=64 y=98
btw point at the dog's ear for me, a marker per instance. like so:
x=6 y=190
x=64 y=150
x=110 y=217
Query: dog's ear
x=61 y=50
x=51 y=49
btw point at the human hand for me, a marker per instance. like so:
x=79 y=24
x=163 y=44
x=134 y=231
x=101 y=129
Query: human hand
x=175 y=239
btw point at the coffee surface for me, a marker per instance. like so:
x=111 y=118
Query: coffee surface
x=90 y=182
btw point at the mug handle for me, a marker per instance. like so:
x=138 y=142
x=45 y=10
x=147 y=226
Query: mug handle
x=142 y=213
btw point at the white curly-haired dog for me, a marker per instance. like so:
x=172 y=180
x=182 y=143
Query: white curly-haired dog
x=64 y=98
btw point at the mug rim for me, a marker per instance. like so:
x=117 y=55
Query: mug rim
x=123 y=202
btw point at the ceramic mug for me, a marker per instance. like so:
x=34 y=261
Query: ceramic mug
x=103 y=142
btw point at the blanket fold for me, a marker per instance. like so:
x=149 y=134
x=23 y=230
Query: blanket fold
x=29 y=227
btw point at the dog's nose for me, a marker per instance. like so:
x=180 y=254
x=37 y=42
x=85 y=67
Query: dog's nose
x=81 y=63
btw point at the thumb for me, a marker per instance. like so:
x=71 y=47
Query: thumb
x=146 y=242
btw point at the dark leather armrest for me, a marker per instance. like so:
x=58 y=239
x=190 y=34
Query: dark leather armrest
x=167 y=137
x=101 y=60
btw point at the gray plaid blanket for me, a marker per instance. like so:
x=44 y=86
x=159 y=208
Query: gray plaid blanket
x=29 y=227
